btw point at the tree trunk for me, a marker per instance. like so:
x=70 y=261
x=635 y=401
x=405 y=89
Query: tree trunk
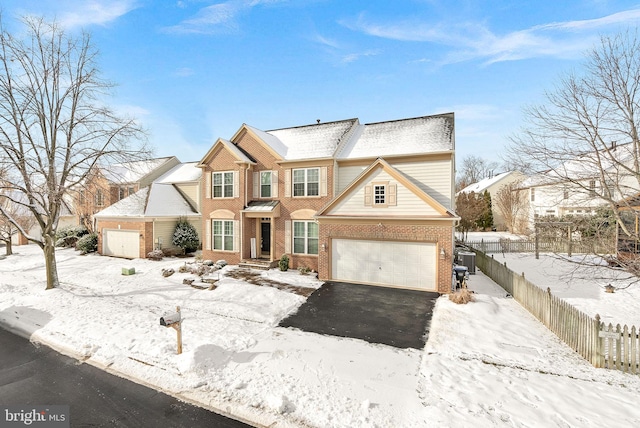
x=7 y=244
x=50 y=262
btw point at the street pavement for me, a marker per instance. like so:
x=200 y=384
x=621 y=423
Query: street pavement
x=36 y=375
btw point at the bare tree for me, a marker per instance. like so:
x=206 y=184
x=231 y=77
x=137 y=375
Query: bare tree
x=54 y=128
x=511 y=202
x=471 y=207
x=474 y=169
x=585 y=135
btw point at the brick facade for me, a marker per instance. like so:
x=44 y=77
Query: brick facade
x=251 y=155
x=430 y=232
x=145 y=229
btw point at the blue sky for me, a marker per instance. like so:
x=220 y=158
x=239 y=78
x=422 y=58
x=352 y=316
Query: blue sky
x=195 y=70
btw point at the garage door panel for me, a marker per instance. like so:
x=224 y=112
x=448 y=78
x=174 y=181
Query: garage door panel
x=121 y=243
x=399 y=264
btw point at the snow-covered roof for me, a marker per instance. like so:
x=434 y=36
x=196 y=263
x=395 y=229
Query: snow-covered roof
x=132 y=172
x=426 y=134
x=308 y=142
x=485 y=183
x=156 y=200
x=181 y=173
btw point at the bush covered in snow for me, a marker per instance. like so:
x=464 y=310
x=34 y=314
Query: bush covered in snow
x=155 y=255
x=88 y=243
x=69 y=235
x=185 y=236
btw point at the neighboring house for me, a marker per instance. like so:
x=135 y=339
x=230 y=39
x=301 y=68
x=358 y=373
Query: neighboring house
x=108 y=185
x=366 y=203
x=146 y=220
x=493 y=185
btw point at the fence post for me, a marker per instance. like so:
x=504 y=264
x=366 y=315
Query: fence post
x=597 y=359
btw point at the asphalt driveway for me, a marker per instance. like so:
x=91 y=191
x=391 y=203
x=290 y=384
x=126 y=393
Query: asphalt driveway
x=390 y=316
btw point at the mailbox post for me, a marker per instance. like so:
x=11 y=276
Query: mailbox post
x=174 y=320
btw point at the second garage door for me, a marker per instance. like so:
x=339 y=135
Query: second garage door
x=399 y=264
x=121 y=243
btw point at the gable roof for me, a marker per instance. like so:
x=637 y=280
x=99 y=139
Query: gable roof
x=485 y=183
x=427 y=134
x=232 y=148
x=398 y=176
x=181 y=173
x=156 y=200
x=311 y=141
x=348 y=139
x=133 y=172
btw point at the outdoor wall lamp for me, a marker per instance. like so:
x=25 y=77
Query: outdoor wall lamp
x=324 y=247
x=443 y=254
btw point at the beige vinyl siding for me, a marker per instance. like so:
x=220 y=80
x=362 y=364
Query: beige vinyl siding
x=190 y=191
x=346 y=175
x=408 y=203
x=433 y=177
x=164 y=230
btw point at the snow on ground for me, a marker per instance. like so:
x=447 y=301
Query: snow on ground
x=488 y=363
x=580 y=280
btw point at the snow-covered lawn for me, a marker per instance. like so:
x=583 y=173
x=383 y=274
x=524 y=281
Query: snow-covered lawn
x=488 y=363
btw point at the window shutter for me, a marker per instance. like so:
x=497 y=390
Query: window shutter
x=274 y=184
x=256 y=185
x=287 y=236
x=393 y=199
x=367 y=196
x=323 y=181
x=207 y=185
x=287 y=183
x=236 y=184
x=207 y=236
x=236 y=235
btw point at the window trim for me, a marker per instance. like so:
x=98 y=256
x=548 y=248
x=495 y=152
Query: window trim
x=306 y=238
x=223 y=235
x=223 y=186
x=305 y=183
x=270 y=184
x=384 y=195
x=99 y=198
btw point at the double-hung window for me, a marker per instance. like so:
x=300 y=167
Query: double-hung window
x=223 y=235
x=222 y=184
x=305 y=237
x=306 y=182
x=265 y=184
x=99 y=198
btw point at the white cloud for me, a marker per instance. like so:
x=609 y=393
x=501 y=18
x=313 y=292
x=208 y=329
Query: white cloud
x=474 y=41
x=218 y=18
x=356 y=56
x=93 y=12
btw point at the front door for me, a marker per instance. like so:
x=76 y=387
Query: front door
x=265 y=239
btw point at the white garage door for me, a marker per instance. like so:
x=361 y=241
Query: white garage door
x=121 y=243
x=398 y=264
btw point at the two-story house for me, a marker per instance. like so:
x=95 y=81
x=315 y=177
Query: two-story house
x=369 y=203
x=107 y=185
x=146 y=219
